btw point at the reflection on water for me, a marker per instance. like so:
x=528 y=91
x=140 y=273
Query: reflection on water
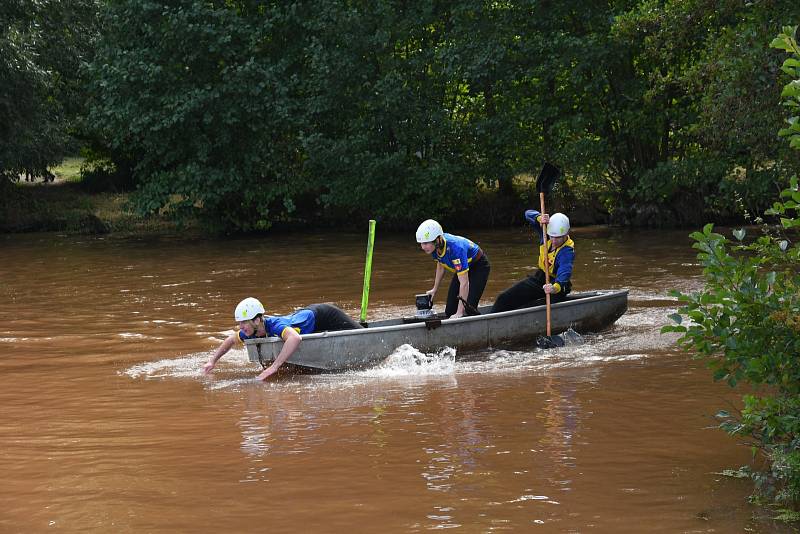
x=106 y=423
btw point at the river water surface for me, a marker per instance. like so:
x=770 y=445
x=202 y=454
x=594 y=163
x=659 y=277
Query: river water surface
x=106 y=424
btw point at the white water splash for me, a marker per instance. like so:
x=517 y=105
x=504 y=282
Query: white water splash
x=186 y=366
x=408 y=361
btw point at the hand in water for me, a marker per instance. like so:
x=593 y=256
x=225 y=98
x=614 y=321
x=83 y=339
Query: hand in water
x=207 y=367
x=266 y=373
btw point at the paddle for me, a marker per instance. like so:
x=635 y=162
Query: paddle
x=544 y=185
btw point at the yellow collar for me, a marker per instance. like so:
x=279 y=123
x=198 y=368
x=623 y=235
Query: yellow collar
x=444 y=248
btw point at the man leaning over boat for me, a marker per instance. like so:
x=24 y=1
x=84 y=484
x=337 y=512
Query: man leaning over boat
x=254 y=323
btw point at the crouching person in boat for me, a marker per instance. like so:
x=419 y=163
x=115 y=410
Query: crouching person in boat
x=254 y=323
x=560 y=252
x=460 y=256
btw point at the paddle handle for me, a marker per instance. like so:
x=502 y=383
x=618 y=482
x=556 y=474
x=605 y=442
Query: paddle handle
x=367 y=271
x=546 y=263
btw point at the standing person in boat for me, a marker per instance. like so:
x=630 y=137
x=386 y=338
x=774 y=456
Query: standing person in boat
x=458 y=255
x=560 y=251
x=253 y=323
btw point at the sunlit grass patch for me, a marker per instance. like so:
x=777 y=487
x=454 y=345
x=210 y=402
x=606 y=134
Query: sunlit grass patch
x=69 y=170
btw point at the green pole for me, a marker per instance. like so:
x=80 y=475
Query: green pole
x=367 y=271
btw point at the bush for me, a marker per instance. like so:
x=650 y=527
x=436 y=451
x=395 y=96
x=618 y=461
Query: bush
x=746 y=321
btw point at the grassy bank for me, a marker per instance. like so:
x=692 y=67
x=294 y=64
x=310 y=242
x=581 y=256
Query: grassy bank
x=65 y=207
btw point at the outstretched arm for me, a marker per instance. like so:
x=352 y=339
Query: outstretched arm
x=219 y=353
x=291 y=340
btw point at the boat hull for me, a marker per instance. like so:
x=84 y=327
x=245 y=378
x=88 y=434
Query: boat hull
x=355 y=349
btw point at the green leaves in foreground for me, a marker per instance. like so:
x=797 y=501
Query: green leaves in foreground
x=746 y=323
x=787 y=41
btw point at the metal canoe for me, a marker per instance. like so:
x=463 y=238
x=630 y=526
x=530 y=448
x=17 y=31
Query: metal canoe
x=355 y=349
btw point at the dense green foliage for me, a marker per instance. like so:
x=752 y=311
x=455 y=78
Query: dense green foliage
x=250 y=112
x=42 y=43
x=253 y=111
x=746 y=322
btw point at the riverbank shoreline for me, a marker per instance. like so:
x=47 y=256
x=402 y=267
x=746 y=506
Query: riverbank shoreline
x=67 y=206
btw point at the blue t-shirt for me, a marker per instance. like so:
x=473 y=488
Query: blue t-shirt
x=458 y=253
x=303 y=321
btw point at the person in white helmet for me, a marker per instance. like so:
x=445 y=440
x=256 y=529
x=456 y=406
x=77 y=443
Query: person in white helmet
x=253 y=323
x=560 y=251
x=460 y=256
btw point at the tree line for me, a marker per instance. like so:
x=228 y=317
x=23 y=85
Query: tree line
x=252 y=112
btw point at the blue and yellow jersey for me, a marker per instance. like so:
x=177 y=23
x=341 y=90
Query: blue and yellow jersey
x=303 y=321
x=560 y=259
x=458 y=253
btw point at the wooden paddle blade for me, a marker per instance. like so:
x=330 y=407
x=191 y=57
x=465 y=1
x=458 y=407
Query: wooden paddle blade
x=549 y=342
x=547 y=178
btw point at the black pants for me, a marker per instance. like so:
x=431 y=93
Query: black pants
x=478 y=275
x=329 y=318
x=526 y=292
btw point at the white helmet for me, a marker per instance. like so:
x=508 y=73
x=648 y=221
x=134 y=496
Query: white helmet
x=558 y=225
x=247 y=309
x=428 y=231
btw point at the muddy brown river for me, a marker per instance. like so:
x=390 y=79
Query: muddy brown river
x=107 y=425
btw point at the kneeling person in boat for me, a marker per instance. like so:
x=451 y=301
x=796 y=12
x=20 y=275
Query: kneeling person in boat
x=254 y=323
x=560 y=252
x=458 y=255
